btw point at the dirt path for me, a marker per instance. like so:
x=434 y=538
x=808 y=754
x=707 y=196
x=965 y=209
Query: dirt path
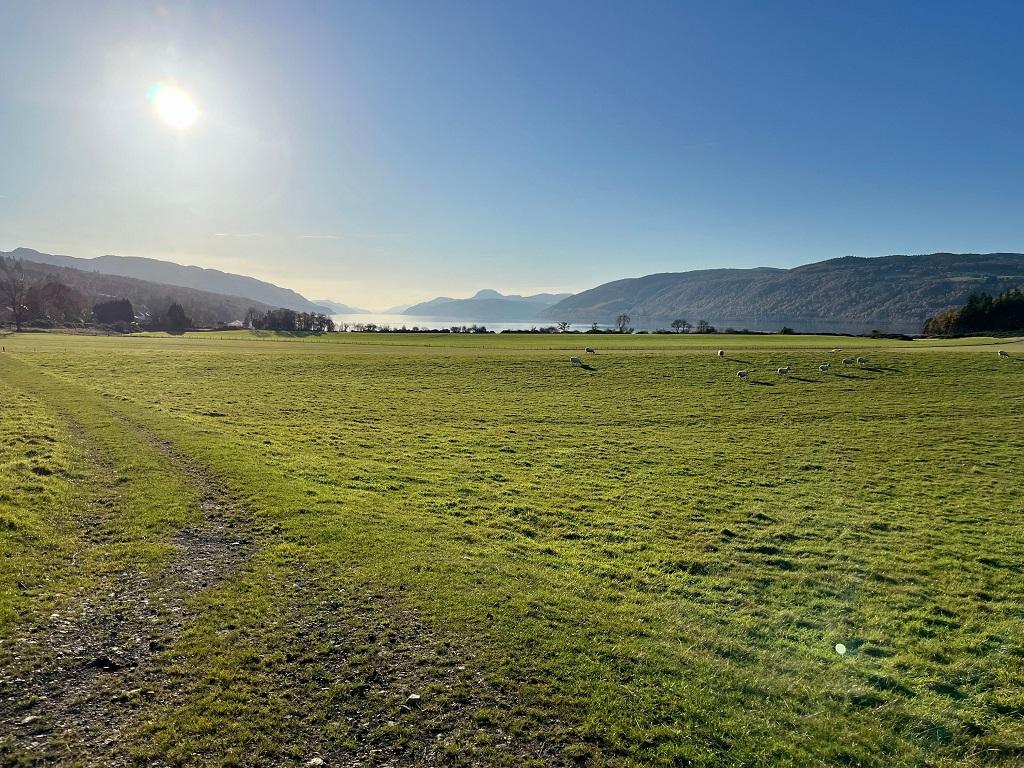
x=78 y=682
x=368 y=679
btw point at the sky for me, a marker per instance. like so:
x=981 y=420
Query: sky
x=386 y=152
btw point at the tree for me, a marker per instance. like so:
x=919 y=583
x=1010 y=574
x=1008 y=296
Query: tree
x=703 y=326
x=112 y=312
x=680 y=326
x=562 y=327
x=14 y=289
x=177 y=321
x=62 y=303
x=982 y=313
x=622 y=322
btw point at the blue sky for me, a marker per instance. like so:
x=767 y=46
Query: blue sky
x=380 y=152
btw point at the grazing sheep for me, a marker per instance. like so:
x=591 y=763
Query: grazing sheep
x=576 y=361
x=824 y=367
x=861 y=360
x=743 y=374
x=721 y=353
x=783 y=371
x=1003 y=353
x=838 y=349
x=590 y=350
x=847 y=361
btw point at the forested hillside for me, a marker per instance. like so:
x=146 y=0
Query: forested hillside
x=896 y=293
x=169 y=273
x=61 y=295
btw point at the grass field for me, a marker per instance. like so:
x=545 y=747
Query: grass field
x=224 y=549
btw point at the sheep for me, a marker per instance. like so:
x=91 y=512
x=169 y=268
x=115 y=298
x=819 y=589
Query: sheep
x=847 y=361
x=783 y=371
x=743 y=374
x=721 y=353
x=1003 y=353
x=824 y=367
x=576 y=361
x=590 y=350
x=861 y=360
x=838 y=349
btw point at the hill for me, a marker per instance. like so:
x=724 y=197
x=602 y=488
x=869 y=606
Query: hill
x=337 y=308
x=169 y=273
x=852 y=294
x=488 y=305
x=147 y=298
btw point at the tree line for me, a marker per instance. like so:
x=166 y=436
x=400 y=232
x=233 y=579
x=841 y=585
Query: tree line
x=288 y=320
x=983 y=313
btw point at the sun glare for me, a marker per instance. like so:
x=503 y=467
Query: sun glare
x=173 y=105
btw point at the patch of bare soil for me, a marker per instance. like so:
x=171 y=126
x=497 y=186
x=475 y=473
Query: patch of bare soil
x=69 y=687
x=392 y=691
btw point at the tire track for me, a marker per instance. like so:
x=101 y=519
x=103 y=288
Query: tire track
x=78 y=683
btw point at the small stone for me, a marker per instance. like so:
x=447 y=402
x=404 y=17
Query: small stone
x=30 y=719
x=315 y=762
x=413 y=700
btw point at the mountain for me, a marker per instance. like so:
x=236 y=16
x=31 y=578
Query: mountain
x=397 y=309
x=148 y=298
x=340 y=309
x=169 y=273
x=851 y=294
x=488 y=306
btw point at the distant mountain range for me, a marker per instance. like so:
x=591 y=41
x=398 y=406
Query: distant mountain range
x=890 y=293
x=850 y=294
x=169 y=273
x=488 y=306
x=340 y=309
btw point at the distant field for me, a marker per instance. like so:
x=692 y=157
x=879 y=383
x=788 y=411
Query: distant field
x=224 y=549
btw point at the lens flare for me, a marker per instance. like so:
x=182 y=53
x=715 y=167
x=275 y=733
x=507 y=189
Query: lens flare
x=173 y=105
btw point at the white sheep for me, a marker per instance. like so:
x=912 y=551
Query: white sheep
x=838 y=349
x=847 y=361
x=1003 y=353
x=576 y=361
x=591 y=350
x=721 y=353
x=824 y=367
x=743 y=374
x=783 y=371
x=861 y=360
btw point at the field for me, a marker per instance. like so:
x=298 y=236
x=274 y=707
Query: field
x=242 y=550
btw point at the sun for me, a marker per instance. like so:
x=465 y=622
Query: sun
x=173 y=105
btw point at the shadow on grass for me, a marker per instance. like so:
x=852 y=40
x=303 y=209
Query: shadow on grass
x=763 y=383
x=805 y=381
x=737 y=360
x=881 y=369
x=586 y=367
x=853 y=376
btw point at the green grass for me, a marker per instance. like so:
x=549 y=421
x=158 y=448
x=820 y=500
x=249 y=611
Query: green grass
x=649 y=563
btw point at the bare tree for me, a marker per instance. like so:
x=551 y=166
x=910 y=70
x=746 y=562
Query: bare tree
x=562 y=327
x=680 y=326
x=14 y=289
x=622 y=322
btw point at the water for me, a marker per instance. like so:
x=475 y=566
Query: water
x=413 y=321
x=822 y=325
